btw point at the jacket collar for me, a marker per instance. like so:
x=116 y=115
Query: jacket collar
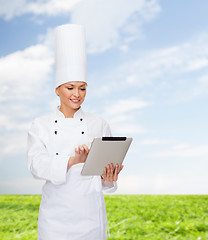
x=78 y=114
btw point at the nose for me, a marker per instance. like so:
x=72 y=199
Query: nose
x=76 y=92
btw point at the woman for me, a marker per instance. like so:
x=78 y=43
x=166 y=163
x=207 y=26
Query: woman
x=72 y=206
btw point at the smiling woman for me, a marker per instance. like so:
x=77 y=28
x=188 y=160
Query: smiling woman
x=72 y=205
x=72 y=95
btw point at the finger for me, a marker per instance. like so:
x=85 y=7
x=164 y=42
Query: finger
x=108 y=172
x=81 y=148
x=85 y=148
x=111 y=172
x=115 y=173
x=122 y=166
x=105 y=173
x=76 y=151
x=116 y=170
x=115 y=178
x=111 y=167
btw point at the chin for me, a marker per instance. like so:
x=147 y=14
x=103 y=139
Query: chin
x=75 y=108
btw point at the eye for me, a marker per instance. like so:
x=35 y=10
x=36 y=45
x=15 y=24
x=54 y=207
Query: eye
x=69 y=88
x=82 y=89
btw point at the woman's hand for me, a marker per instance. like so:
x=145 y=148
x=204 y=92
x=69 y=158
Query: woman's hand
x=110 y=174
x=80 y=155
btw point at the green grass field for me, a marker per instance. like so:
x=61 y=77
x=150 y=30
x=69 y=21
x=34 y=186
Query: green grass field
x=153 y=217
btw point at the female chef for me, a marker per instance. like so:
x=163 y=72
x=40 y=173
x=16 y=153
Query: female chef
x=72 y=206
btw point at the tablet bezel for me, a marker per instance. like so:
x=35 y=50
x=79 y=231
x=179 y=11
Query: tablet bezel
x=103 y=151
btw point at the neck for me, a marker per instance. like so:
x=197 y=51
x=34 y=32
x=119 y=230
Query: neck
x=68 y=112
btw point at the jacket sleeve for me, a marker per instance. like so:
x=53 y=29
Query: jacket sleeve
x=108 y=187
x=42 y=164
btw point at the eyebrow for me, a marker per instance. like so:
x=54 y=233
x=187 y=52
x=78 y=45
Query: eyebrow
x=74 y=85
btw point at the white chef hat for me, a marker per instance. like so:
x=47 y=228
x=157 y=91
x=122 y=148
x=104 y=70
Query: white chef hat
x=70 y=54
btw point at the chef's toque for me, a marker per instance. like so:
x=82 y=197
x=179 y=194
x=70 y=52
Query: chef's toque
x=70 y=54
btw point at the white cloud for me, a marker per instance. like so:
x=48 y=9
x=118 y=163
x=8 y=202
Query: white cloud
x=181 y=59
x=177 y=73
x=201 y=87
x=25 y=78
x=8 y=122
x=15 y=8
x=117 y=18
x=128 y=128
x=124 y=106
x=155 y=142
x=181 y=146
x=13 y=144
x=124 y=48
x=25 y=81
x=47 y=40
x=122 y=117
x=105 y=21
x=23 y=73
x=51 y=7
x=183 y=151
x=127 y=184
x=162 y=184
x=21 y=186
x=197 y=64
x=12 y=8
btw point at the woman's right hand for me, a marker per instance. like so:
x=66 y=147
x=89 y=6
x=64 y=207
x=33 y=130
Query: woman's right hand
x=80 y=155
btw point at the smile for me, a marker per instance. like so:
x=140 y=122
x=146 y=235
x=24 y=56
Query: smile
x=75 y=100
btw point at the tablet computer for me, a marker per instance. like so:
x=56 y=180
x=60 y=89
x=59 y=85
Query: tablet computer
x=104 y=151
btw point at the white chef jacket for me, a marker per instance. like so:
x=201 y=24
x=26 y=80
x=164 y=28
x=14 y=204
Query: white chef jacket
x=72 y=206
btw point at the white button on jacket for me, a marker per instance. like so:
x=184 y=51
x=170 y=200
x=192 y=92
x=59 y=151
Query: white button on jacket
x=72 y=206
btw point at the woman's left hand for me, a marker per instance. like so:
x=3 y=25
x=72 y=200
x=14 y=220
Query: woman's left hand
x=110 y=174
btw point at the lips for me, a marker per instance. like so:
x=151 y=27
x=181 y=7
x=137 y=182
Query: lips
x=75 y=100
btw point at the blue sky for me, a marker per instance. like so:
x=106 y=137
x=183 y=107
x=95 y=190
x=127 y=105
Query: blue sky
x=147 y=74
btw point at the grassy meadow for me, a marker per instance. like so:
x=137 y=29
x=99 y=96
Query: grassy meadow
x=152 y=217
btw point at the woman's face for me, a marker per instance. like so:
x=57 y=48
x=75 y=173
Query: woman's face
x=72 y=94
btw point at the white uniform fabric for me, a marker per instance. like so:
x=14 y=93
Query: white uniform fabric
x=70 y=54
x=72 y=206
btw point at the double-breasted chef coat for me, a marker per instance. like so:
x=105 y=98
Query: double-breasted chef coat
x=72 y=206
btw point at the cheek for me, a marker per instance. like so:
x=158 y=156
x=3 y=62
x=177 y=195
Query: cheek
x=83 y=97
x=67 y=94
x=83 y=94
